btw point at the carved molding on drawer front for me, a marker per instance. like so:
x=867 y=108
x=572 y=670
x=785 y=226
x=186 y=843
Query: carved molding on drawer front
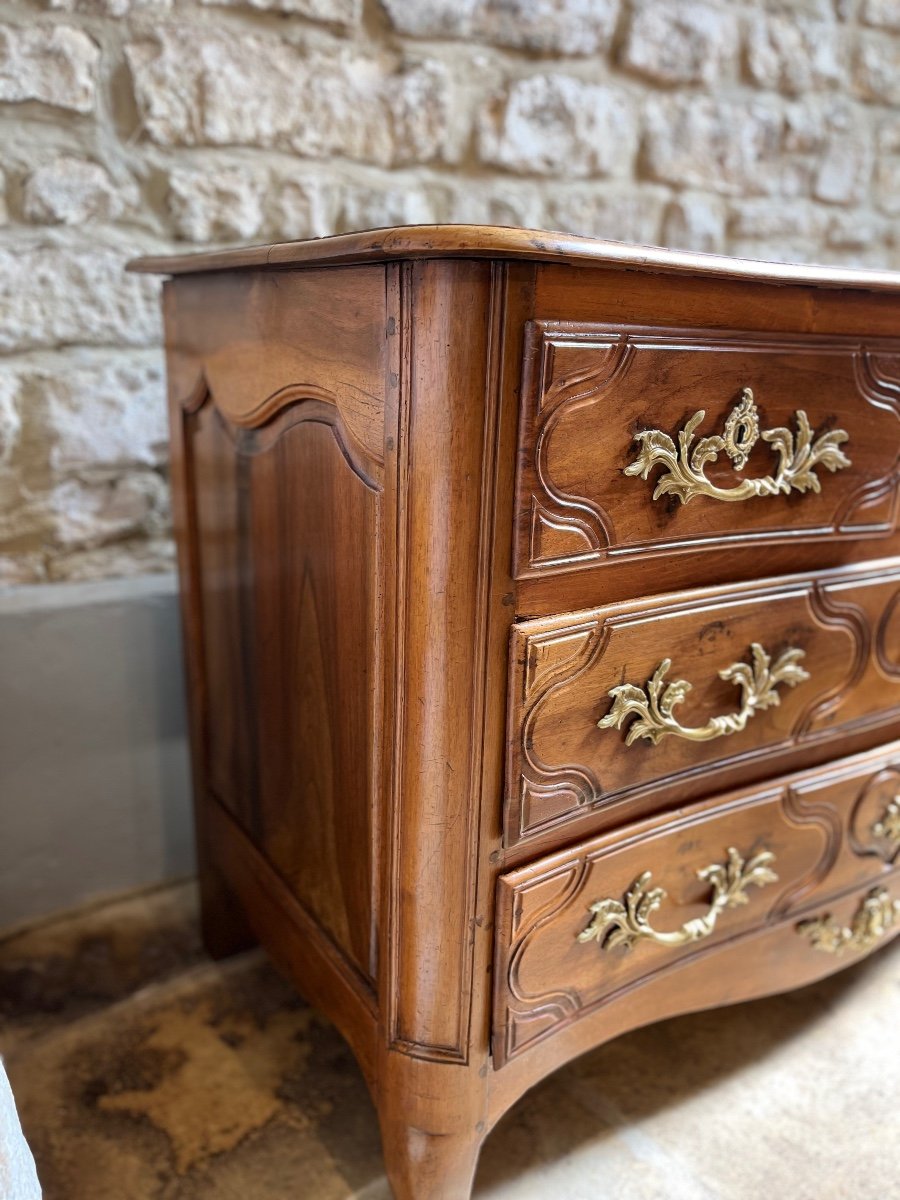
x=565 y=787
x=848 y=616
x=549 y=976
x=878 y=376
x=875 y=821
x=889 y=633
x=805 y=811
x=589 y=390
x=560 y=765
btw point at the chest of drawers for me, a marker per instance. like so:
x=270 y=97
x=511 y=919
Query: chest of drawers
x=542 y=610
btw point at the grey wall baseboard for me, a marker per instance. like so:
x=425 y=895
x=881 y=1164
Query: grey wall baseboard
x=94 y=775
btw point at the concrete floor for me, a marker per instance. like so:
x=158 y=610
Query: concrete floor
x=144 y=1072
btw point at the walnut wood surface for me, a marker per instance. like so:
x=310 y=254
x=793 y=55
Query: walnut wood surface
x=501 y=243
x=818 y=825
x=370 y=682
x=270 y=503
x=591 y=388
x=562 y=768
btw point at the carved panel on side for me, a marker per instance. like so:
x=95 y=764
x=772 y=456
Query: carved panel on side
x=826 y=634
x=284 y=518
x=257 y=332
x=551 y=970
x=816 y=453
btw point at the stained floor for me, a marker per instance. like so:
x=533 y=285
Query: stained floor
x=144 y=1072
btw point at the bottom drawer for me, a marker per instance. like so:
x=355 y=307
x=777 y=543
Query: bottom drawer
x=581 y=930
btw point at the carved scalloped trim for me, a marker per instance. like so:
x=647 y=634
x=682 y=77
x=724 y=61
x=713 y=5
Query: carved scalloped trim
x=563 y=1003
x=550 y=401
x=862 y=842
x=796 y=809
x=890 y=667
x=580 y=385
x=546 y=1004
x=567 y=512
x=878 y=388
x=543 y=521
x=292 y=405
x=536 y=778
x=834 y=615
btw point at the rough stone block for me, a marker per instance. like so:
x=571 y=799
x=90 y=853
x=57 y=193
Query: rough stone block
x=215 y=204
x=297 y=208
x=10 y=416
x=118 y=560
x=434 y=18
x=109 y=8
x=548 y=124
x=71 y=191
x=845 y=169
x=59 y=294
x=506 y=201
x=576 y=27
x=854 y=230
x=85 y=513
x=702 y=142
x=22 y=568
x=824 y=9
x=887 y=185
x=885 y=13
x=53 y=64
x=878 y=67
x=680 y=42
x=262 y=91
x=767 y=220
x=334 y=12
x=695 y=222
x=628 y=216
x=104 y=412
x=794 y=54
x=371 y=208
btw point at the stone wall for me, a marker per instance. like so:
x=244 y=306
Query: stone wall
x=758 y=128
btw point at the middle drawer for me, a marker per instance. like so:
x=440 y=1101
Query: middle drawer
x=624 y=703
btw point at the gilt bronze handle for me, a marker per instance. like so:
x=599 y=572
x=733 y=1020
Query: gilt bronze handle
x=875 y=916
x=624 y=922
x=684 y=466
x=653 y=705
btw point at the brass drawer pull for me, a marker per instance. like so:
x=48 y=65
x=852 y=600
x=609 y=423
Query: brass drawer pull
x=684 y=477
x=654 y=707
x=618 y=923
x=876 y=915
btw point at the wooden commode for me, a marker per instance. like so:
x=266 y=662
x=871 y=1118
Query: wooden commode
x=542 y=609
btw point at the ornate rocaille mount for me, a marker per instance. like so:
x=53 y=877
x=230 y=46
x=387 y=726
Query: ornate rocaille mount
x=684 y=468
x=622 y=923
x=654 y=704
x=876 y=915
x=887 y=827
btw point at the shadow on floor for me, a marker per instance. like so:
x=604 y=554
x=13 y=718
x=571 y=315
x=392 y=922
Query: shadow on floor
x=218 y=1082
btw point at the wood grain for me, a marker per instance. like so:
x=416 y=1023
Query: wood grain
x=562 y=768
x=497 y=242
x=394 y=701
x=591 y=389
x=546 y=978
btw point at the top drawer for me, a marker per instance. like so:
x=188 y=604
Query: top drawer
x=637 y=441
